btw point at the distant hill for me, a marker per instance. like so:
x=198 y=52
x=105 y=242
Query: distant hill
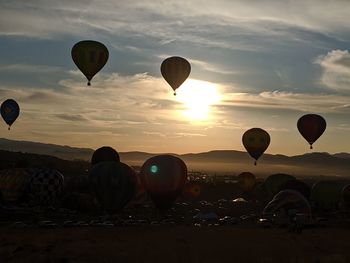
x=217 y=161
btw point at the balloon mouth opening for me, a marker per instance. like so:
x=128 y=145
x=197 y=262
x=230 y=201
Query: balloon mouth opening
x=89 y=83
x=311 y=147
x=9 y=128
x=174 y=93
x=255 y=163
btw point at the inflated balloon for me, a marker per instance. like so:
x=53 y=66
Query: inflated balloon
x=14 y=184
x=90 y=57
x=114 y=184
x=311 y=127
x=256 y=141
x=104 y=154
x=164 y=177
x=326 y=195
x=273 y=183
x=292 y=202
x=246 y=181
x=9 y=111
x=298 y=186
x=175 y=70
x=46 y=186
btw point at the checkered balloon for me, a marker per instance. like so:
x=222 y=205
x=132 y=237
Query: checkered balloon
x=46 y=186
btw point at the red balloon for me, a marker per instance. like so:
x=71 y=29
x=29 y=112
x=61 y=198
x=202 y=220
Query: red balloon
x=311 y=127
x=164 y=177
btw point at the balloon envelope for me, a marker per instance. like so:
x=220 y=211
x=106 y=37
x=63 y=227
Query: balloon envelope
x=46 y=186
x=326 y=195
x=14 y=183
x=256 y=141
x=175 y=70
x=114 y=184
x=273 y=183
x=298 y=186
x=289 y=201
x=104 y=154
x=246 y=181
x=164 y=177
x=9 y=111
x=90 y=57
x=311 y=127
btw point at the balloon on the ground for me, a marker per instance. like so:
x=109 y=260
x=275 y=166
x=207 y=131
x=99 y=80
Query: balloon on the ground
x=114 y=184
x=175 y=70
x=46 y=186
x=297 y=185
x=9 y=111
x=311 y=127
x=273 y=183
x=246 y=181
x=14 y=184
x=164 y=177
x=290 y=202
x=90 y=57
x=256 y=141
x=326 y=195
x=104 y=154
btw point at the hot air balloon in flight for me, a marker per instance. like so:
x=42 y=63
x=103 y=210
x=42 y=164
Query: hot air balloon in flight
x=311 y=127
x=9 y=111
x=104 y=154
x=256 y=141
x=90 y=57
x=175 y=70
x=114 y=184
x=164 y=177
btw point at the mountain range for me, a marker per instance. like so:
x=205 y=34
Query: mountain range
x=217 y=161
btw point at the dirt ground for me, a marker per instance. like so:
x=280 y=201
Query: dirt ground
x=173 y=244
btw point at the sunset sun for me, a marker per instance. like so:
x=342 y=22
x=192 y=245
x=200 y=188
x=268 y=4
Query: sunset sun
x=198 y=97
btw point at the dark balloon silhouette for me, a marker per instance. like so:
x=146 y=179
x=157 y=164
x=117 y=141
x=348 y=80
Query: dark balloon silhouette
x=46 y=186
x=290 y=202
x=192 y=189
x=9 y=111
x=298 y=186
x=90 y=57
x=175 y=70
x=273 y=183
x=311 y=127
x=164 y=177
x=246 y=181
x=256 y=141
x=14 y=183
x=114 y=184
x=104 y=154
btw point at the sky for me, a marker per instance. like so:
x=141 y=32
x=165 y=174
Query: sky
x=254 y=64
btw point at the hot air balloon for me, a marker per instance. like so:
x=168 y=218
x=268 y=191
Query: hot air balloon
x=273 y=183
x=164 y=177
x=9 y=111
x=311 y=127
x=246 y=181
x=175 y=70
x=192 y=189
x=326 y=195
x=46 y=186
x=90 y=57
x=104 y=154
x=256 y=141
x=298 y=186
x=114 y=184
x=14 y=184
x=290 y=202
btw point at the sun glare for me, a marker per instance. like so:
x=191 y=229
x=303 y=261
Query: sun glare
x=197 y=97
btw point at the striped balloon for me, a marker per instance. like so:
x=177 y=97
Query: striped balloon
x=114 y=184
x=14 y=183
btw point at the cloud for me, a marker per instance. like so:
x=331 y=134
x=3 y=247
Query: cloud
x=288 y=101
x=30 y=68
x=336 y=70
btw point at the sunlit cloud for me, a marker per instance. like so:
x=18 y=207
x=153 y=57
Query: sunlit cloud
x=336 y=70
